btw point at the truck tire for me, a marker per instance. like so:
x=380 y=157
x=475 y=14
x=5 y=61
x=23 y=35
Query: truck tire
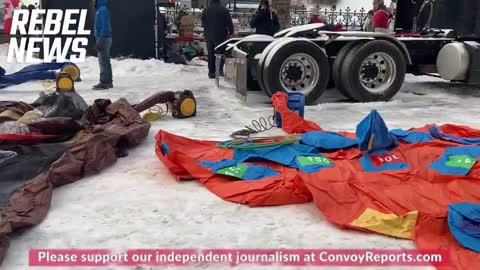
x=298 y=65
x=374 y=72
x=261 y=62
x=338 y=65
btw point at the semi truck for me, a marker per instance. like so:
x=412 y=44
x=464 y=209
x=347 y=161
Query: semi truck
x=432 y=37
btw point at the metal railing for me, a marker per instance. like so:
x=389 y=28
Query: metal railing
x=299 y=15
x=244 y=17
x=348 y=18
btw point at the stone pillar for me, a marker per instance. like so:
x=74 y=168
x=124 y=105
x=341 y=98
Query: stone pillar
x=282 y=7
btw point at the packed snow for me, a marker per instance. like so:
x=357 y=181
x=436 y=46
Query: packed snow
x=138 y=204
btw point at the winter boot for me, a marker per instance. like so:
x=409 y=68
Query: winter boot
x=102 y=86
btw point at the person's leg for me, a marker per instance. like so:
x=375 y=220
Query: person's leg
x=107 y=69
x=162 y=43
x=100 y=57
x=103 y=55
x=222 y=62
x=211 y=59
x=165 y=52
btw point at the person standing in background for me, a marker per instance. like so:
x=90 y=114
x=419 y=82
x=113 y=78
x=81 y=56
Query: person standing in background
x=368 y=24
x=103 y=35
x=315 y=16
x=162 y=34
x=265 y=20
x=393 y=13
x=393 y=7
x=9 y=7
x=218 y=25
x=381 y=17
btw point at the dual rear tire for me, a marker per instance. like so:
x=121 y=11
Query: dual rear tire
x=362 y=71
x=371 y=71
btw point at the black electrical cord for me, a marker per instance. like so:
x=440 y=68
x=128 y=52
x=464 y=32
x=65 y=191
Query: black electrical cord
x=258 y=126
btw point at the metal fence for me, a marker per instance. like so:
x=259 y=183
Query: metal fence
x=348 y=18
x=244 y=17
x=299 y=15
x=2 y=14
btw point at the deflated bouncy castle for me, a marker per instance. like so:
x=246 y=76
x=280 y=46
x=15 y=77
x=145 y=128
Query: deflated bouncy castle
x=38 y=72
x=44 y=145
x=421 y=184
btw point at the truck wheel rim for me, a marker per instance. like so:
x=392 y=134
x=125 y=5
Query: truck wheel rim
x=299 y=73
x=378 y=72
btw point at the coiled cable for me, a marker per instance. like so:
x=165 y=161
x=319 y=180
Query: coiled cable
x=258 y=126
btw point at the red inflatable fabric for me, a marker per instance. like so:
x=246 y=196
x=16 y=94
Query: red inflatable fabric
x=410 y=203
x=345 y=192
x=182 y=161
x=291 y=121
x=433 y=234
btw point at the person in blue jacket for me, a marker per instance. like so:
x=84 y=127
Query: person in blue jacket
x=103 y=35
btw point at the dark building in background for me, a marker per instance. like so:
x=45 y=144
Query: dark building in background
x=132 y=25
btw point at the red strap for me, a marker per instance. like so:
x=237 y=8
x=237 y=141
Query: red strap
x=23 y=138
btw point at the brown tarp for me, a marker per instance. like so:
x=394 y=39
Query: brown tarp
x=107 y=129
x=12 y=109
x=16 y=106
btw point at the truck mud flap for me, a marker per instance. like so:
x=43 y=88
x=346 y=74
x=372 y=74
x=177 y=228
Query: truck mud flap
x=473 y=49
x=236 y=72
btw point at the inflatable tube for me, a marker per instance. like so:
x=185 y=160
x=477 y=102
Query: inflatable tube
x=24 y=138
x=38 y=72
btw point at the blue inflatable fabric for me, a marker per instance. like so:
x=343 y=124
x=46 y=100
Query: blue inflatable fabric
x=456 y=160
x=327 y=140
x=435 y=131
x=372 y=134
x=464 y=224
x=411 y=136
x=303 y=157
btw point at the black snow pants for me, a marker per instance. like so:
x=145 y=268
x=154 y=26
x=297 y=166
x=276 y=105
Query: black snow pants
x=211 y=58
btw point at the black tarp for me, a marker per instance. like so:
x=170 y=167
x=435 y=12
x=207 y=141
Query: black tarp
x=133 y=28
x=132 y=25
x=28 y=162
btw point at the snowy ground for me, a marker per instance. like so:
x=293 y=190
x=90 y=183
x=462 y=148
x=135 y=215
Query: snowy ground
x=137 y=204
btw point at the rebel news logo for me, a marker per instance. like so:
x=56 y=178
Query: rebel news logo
x=32 y=35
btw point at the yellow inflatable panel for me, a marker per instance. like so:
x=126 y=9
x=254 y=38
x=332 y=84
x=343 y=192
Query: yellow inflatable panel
x=388 y=224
